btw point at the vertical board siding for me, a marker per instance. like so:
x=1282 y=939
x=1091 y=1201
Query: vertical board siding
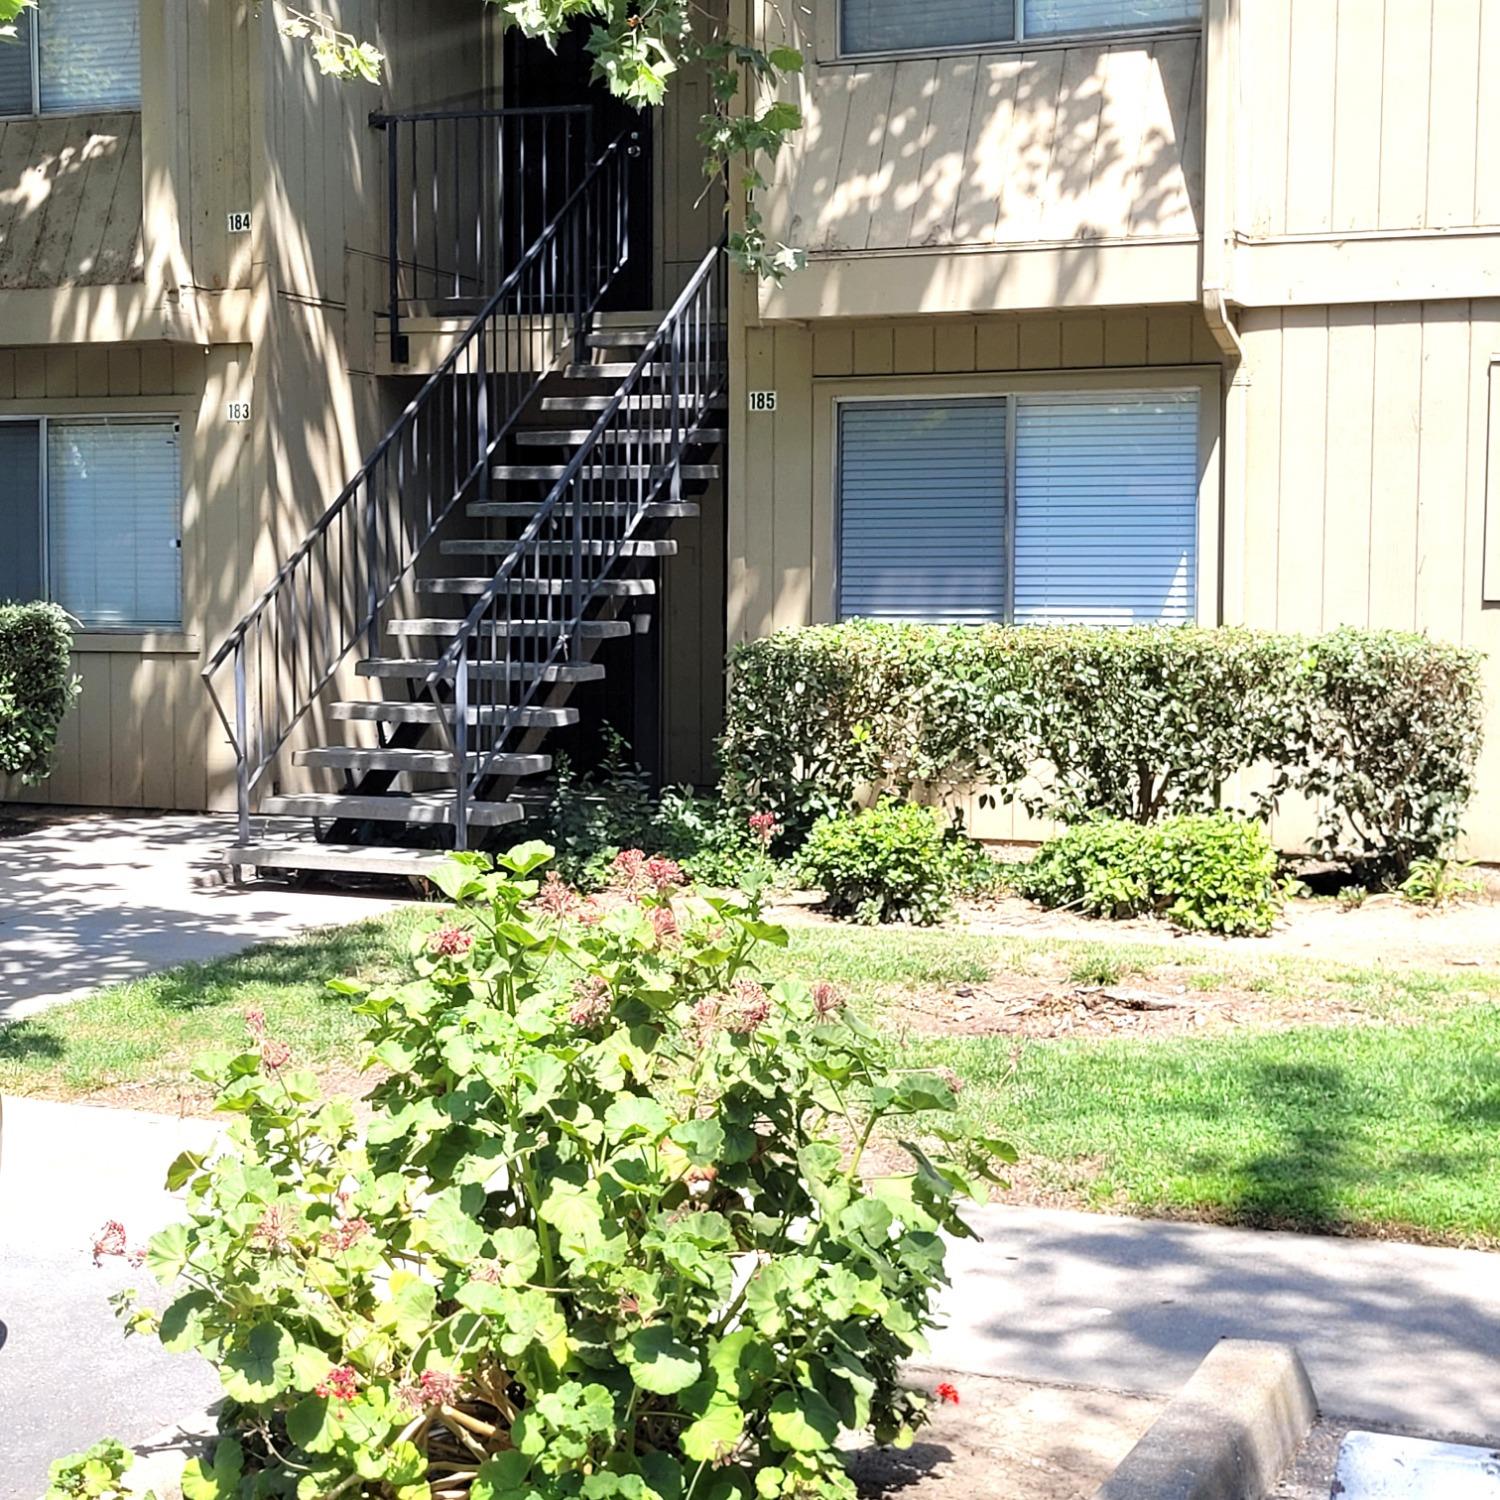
x=143 y=733
x=1370 y=115
x=1083 y=141
x=70 y=201
x=1367 y=464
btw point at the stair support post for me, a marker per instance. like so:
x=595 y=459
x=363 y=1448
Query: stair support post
x=461 y=750
x=242 y=749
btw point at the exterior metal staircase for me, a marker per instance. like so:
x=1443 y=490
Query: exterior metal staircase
x=509 y=523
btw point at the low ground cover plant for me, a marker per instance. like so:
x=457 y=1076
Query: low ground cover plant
x=592 y=816
x=36 y=686
x=1381 y=729
x=605 y=1234
x=894 y=862
x=1208 y=872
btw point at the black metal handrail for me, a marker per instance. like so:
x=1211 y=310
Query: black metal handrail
x=467 y=193
x=329 y=594
x=526 y=623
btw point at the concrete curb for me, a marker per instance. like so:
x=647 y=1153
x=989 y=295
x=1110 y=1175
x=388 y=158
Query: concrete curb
x=1228 y=1434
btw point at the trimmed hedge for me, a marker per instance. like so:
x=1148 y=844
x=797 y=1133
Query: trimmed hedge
x=36 y=686
x=1205 y=872
x=1381 y=729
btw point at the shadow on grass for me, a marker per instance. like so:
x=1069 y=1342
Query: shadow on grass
x=370 y=950
x=29 y=1041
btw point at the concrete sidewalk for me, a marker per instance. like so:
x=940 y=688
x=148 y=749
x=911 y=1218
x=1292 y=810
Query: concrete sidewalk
x=89 y=900
x=1395 y=1334
x=68 y=1376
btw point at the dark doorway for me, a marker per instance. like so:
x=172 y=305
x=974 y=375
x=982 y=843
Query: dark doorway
x=535 y=78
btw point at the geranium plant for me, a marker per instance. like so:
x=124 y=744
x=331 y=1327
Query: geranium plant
x=609 y=1230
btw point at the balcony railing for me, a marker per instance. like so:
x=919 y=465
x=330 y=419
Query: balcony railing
x=467 y=193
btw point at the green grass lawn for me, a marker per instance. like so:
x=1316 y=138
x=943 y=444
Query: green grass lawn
x=1391 y=1125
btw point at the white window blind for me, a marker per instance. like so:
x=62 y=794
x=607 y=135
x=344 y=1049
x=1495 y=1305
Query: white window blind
x=15 y=69
x=1057 y=17
x=113 y=521
x=901 y=25
x=89 y=55
x=21 y=510
x=1106 y=509
x=922 y=511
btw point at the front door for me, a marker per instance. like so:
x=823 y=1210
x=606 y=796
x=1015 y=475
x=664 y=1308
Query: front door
x=535 y=78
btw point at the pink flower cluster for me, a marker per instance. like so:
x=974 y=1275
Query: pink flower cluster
x=827 y=1000
x=765 y=827
x=340 y=1384
x=450 y=941
x=591 y=1004
x=431 y=1388
x=111 y=1241
x=272 y=1233
x=637 y=875
x=345 y=1234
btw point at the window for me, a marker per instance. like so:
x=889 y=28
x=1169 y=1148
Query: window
x=1037 y=509
x=89 y=508
x=71 y=56
x=900 y=26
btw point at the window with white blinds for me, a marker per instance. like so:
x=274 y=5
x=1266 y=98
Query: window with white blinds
x=1106 y=509
x=71 y=56
x=922 y=511
x=900 y=26
x=874 y=26
x=1090 y=516
x=90 y=513
x=114 y=557
x=1065 y=17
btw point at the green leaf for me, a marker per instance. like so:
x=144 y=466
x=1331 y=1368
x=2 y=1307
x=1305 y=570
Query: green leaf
x=518 y=1254
x=219 y=1482
x=525 y=858
x=786 y=59
x=182 y=1323
x=500 y=1476
x=405 y=1464
x=184 y=1168
x=713 y=1437
x=409 y=1310
x=167 y=1253
x=660 y=1362
x=448 y=1228
x=633 y=1115
x=703 y=1140
x=260 y=1368
x=574 y=1210
x=310 y=1424
x=803 y=1421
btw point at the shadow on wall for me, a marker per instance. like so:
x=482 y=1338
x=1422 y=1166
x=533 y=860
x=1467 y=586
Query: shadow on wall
x=70 y=201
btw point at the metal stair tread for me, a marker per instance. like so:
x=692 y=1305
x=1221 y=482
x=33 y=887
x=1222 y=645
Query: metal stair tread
x=405 y=807
x=385 y=711
x=571 y=437
x=382 y=758
x=363 y=859
x=630 y=403
x=604 y=471
x=660 y=510
x=423 y=667
x=597 y=630
x=617 y=369
x=614 y=588
x=635 y=547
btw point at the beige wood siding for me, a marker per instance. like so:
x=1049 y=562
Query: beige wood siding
x=70 y=201
x=143 y=733
x=1083 y=142
x=1366 y=472
x=1361 y=116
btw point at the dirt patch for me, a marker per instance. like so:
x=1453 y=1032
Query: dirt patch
x=1384 y=928
x=184 y=1097
x=1008 y=1440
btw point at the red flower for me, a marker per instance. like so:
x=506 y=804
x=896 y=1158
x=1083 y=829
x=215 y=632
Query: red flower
x=947 y=1394
x=255 y=1022
x=275 y=1054
x=558 y=898
x=827 y=1000
x=450 y=941
x=751 y=1009
x=636 y=874
x=592 y=1003
x=340 y=1384
x=347 y=1234
x=765 y=827
x=664 y=921
x=109 y=1241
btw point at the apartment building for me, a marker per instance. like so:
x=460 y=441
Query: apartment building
x=427 y=419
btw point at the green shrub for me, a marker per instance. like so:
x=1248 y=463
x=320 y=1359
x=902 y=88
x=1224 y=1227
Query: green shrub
x=1381 y=729
x=591 y=818
x=1440 y=882
x=1392 y=730
x=97 y=1474
x=1204 y=872
x=36 y=686
x=603 y=1234
x=893 y=862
